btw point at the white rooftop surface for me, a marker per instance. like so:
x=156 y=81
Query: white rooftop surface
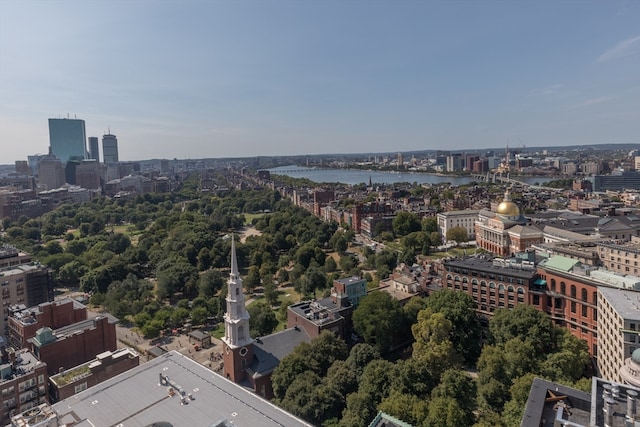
x=136 y=398
x=626 y=303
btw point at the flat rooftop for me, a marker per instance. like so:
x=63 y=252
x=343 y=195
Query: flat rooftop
x=625 y=302
x=136 y=398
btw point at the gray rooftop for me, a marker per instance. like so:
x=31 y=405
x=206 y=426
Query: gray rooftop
x=270 y=350
x=136 y=398
x=626 y=303
x=503 y=267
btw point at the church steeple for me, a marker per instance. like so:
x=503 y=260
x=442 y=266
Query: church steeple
x=238 y=345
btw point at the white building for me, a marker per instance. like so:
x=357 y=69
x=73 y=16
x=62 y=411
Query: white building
x=618 y=329
x=465 y=219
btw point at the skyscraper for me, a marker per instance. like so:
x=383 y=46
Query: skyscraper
x=94 y=152
x=109 y=148
x=67 y=139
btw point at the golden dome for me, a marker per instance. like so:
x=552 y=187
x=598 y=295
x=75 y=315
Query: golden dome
x=507 y=207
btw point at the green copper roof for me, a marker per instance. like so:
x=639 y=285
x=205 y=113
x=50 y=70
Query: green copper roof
x=561 y=263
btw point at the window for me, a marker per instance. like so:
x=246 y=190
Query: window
x=584 y=295
x=584 y=311
x=563 y=288
x=237 y=291
x=573 y=306
x=573 y=291
x=80 y=387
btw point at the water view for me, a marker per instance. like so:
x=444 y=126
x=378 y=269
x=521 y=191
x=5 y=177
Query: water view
x=355 y=176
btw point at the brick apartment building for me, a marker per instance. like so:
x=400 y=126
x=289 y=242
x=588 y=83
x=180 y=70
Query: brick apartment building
x=21 y=282
x=23 y=383
x=106 y=365
x=24 y=322
x=74 y=344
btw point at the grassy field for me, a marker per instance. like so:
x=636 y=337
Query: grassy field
x=249 y=217
x=128 y=230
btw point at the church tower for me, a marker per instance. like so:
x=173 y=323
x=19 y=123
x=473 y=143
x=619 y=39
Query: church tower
x=238 y=345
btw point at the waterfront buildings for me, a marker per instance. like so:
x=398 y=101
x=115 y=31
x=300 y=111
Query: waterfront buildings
x=67 y=139
x=617 y=181
x=110 y=148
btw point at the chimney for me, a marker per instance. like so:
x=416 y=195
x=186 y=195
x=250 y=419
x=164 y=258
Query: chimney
x=12 y=357
x=632 y=401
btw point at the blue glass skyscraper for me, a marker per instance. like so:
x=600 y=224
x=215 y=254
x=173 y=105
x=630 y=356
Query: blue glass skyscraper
x=67 y=139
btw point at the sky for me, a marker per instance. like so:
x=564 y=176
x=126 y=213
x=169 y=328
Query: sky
x=206 y=78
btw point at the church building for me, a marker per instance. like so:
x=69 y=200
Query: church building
x=247 y=361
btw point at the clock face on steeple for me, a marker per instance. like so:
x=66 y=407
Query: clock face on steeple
x=243 y=351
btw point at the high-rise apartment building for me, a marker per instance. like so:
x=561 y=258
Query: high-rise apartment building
x=67 y=139
x=94 y=151
x=110 y=148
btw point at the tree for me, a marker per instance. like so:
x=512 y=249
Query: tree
x=405 y=223
x=406 y=407
x=252 y=280
x=459 y=386
x=430 y=224
x=432 y=345
x=526 y=322
x=493 y=380
x=445 y=412
x=458 y=234
x=262 y=319
x=377 y=319
x=459 y=308
x=209 y=283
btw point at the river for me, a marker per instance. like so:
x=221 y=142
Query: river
x=358 y=176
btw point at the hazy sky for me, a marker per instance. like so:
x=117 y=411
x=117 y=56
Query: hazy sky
x=192 y=79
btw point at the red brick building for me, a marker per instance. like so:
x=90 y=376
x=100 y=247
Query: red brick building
x=23 y=383
x=23 y=323
x=106 y=365
x=74 y=344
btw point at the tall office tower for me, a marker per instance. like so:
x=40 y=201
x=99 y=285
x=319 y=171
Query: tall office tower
x=109 y=148
x=67 y=139
x=94 y=151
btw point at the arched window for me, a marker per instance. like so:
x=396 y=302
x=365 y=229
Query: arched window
x=492 y=285
x=240 y=332
x=483 y=284
x=553 y=285
x=520 y=290
x=449 y=277
x=501 y=288
x=474 y=282
x=237 y=291
x=465 y=280
x=456 y=278
x=510 y=288
x=584 y=295
x=563 y=288
x=573 y=291
x=595 y=298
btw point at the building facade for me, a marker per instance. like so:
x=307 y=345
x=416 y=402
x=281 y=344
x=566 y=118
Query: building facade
x=622 y=258
x=506 y=232
x=78 y=378
x=24 y=322
x=110 y=148
x=618 y=330
x=23 y=285
x=23 y=383
x=67 y=139
x=94 y=150
x=74 y=344
x=466 y=219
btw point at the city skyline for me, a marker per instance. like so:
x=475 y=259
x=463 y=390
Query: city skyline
x=235 y=79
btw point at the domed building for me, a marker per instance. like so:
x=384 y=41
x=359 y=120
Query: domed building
x=630 y=372
x=506 y=231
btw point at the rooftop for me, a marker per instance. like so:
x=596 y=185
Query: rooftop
x=510 y=267
x=270 y=350
x=140 y=397
x=626 y=303
x=25 y=363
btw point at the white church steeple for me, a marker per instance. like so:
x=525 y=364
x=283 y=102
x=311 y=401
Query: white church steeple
x=236 y=319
